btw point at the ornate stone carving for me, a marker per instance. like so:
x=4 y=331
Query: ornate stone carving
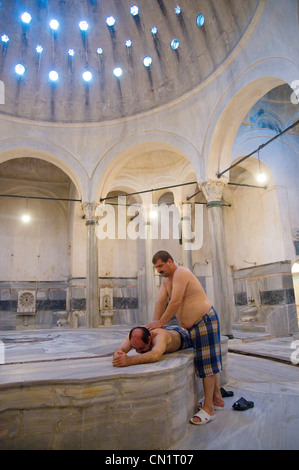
x=106 y=305
x=213 y=190
x=89 y=209
x=26 y=302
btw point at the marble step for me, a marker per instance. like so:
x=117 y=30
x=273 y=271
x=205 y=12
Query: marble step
x=250 y=326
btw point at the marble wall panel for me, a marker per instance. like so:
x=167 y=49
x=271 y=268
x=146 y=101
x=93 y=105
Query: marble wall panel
x=271 y=287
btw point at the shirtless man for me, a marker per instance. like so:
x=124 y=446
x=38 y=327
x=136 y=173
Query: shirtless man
x=150 y=345
x=194 y=311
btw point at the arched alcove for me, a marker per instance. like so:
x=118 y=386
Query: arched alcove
x=44 y=151
x=150 y=148
x=238 y=99
x=38 y=249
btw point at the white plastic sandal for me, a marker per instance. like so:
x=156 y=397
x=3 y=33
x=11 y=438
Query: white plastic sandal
x=204 y=416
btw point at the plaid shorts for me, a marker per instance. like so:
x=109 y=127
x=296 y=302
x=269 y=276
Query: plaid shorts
x=205 y=337
x=185 y=339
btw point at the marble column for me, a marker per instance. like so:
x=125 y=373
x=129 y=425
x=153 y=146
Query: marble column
x=92 y=288
x=186 y=231
x=223 y=304
x=149 y=269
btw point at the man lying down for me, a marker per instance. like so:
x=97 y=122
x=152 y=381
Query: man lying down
x=150 y=345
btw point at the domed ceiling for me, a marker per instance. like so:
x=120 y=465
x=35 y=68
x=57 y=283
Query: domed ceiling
x=203 y=43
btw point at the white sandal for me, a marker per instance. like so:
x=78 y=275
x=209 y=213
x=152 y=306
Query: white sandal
x=204 y=416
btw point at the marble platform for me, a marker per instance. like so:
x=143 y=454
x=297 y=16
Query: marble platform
x=59 y=390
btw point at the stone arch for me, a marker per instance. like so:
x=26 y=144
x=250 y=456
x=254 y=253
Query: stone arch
x=237 y=100
x=26 y=147
x=110 y=163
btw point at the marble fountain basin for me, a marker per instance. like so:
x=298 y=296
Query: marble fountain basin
x=59 y=390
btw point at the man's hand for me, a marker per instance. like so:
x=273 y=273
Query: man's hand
x=154 y=324
x=120 y=359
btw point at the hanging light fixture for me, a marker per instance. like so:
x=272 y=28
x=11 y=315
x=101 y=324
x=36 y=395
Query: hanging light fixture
x=261 y=177
x=26 y=217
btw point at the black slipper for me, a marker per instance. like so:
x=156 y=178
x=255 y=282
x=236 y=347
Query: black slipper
x=226 y=394
x=242 y=404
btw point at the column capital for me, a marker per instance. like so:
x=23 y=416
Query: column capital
x=89 y=209
x=213 y=190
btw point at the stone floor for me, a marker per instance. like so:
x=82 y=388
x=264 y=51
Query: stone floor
x=255 y=373
x=260 y=369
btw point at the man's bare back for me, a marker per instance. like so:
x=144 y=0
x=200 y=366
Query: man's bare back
x=170 y=337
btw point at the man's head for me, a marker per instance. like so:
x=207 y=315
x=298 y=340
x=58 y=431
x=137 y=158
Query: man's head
x=140 y=339
x=164 y=263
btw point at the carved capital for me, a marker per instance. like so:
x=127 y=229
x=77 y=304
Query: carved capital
x=213 y=190
x=89 y=209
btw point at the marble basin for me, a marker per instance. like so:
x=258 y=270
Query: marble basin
x=59 y=390
x=249 y=313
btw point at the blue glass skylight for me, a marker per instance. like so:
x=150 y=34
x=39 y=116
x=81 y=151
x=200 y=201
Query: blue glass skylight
x=83 y=25
x=87 y=76
x=147 y=61
x=177 y=10
x=134 y=10
x=53 y=76
x=20 y=69
x=117 y=71
x=200 y=19
x=26 y=17
x=174 y=44
x=110 y=21
x=54 y=25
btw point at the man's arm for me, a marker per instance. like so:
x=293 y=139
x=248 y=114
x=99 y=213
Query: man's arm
x=158 y=349
x=179 y=284
x=125 y=346
x=161 y=302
